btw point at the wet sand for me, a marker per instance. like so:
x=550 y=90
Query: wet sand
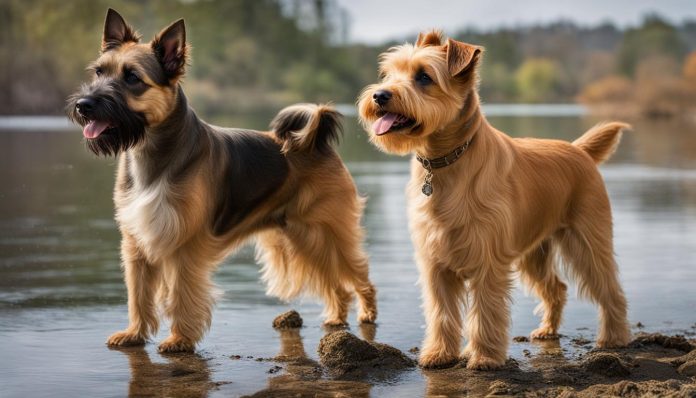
x=349 y=365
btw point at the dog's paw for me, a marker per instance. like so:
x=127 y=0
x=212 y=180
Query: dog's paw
x=125 y=338
x=544 y=333
x=616 y=343
x=480 y=362
x=367 y=316
x=467 y=352
x=335 y=323
x=436 y=360
x=176 y=343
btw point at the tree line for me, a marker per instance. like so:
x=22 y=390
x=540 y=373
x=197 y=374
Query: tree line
x=249 y=54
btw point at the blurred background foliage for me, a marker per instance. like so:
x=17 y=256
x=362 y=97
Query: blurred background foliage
x=251 y=54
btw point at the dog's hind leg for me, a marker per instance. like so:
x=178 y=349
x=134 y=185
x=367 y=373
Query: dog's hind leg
x=318 y=258
x=298 y=261
x=587 y=249
x=538 y=272
x=142 y=280
x=353 y=267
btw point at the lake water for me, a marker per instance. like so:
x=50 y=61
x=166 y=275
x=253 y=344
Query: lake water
x=62 y=294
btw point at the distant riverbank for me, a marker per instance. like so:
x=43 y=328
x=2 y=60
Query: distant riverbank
x=60 y=123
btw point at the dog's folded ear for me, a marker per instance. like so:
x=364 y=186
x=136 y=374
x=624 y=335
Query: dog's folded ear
x=170 y=49
x=461 y=57
x=117 y=31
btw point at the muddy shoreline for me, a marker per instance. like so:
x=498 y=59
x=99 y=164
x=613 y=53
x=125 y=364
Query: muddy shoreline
x=653 y=365
x=351 y=365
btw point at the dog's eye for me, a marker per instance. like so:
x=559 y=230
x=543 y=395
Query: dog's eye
x=98 y=71
x=131 y=78
x=423 y=79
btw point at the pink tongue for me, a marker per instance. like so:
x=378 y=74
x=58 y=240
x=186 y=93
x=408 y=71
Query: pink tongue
x=383 y=124
x=94 y=128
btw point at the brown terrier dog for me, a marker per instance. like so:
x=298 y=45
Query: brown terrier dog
x=188 y=193
x=480 y=201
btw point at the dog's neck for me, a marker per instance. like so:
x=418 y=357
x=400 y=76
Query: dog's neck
x=457 y=133
x=171 y=145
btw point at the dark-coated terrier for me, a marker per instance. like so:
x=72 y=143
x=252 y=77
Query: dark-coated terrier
x=188 y=193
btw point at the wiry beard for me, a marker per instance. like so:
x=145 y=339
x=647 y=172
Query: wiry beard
x=127 y=127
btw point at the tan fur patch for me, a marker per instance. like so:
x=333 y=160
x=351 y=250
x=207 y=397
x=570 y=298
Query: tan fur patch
x=156 y=104
x=157 y=101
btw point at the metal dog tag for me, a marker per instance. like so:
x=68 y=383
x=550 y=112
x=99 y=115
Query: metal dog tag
x=427 y=189
x=427 y=185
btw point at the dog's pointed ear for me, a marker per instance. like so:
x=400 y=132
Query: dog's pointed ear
x=461 y=56
x=117 y=31
x=431 y=38
x=171 y=50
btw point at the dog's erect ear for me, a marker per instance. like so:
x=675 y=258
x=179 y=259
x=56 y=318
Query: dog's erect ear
x=170 y=48
x=117 y=31
x=461 y=56
x=432 y=38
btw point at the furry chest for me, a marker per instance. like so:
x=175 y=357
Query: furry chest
x=458 y=232
x=151 y=215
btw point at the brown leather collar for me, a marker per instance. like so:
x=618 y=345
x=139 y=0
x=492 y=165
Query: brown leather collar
x=437 y=163
x=446 y=160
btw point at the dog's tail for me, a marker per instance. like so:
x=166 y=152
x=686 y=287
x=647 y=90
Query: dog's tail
x=308 y=128
x=601 y=141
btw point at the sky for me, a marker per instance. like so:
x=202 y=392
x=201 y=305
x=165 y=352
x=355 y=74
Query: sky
x=376 y=21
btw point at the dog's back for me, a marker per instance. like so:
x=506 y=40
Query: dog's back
x=261 y=165
x=256 y=168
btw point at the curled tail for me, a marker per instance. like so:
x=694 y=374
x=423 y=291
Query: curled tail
x=308 y=128
x=601 y=141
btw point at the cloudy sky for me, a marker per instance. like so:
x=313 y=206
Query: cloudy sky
x=374 y=21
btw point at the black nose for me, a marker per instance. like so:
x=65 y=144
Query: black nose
x=381 y=97
x=85 y=106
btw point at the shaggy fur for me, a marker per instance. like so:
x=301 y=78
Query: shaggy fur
x=188 y=193
x=504 y=202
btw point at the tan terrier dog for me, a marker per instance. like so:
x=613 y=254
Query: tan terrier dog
x=481 y=202
x=188 y=193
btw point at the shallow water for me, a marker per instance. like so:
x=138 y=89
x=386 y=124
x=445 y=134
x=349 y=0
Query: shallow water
x=62 y=294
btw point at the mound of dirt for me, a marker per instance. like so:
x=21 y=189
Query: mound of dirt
x=288 y=320
x=344 y=354
x=677 y=342
x=684 y=358
x=606 y=364
x=688 y=368
x=648 y=388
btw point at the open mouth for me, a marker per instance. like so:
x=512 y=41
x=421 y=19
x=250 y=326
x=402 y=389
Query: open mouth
x=390 y=122
x=94 y=128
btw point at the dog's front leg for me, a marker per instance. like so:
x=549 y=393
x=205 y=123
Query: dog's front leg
x=189 y=302
x=142 y=280
x=488 y=318
x=442 y=304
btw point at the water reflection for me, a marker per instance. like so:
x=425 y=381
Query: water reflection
x=181 y=375
x=303 y=375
